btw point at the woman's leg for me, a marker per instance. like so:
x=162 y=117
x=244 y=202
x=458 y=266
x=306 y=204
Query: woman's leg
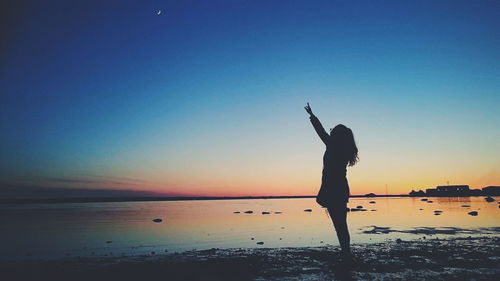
x=339 y=219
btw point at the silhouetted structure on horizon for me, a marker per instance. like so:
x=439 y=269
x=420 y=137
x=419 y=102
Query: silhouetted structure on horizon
x=491 y=190
x=456 y=191
x=414 y=193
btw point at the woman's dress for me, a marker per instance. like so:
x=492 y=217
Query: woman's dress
x=334 y=190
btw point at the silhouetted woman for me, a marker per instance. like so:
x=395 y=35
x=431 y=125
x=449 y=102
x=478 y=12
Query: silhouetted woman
x=341 y=151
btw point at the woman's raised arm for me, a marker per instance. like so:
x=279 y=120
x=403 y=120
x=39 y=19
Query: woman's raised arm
x=323 y=135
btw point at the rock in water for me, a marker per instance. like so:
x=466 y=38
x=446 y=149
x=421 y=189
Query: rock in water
x=473 y=213
x=157 y=220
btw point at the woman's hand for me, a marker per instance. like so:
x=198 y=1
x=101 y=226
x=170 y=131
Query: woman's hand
x=309 y=110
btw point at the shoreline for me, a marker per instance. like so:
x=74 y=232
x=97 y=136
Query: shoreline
x=193 y=198
x=454 y=258
x=159 y=198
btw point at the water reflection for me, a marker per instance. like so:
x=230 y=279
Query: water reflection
x=55 y=230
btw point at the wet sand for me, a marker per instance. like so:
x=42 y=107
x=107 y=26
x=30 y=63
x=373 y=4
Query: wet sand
x=424 y=259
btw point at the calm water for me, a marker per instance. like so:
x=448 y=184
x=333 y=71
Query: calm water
x=116 y=229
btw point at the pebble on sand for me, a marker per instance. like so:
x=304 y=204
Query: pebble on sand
x=237 y=212
x=260 y=243
x=424 y=199
x=372 y=202
x=465 y=206
x=308 y=210
x=265 y=213
x=429 y=201
x=473 y=213
x=248 y=212
x=277 y=213
x=359 y=207
x=157 y=220
x=489 y=199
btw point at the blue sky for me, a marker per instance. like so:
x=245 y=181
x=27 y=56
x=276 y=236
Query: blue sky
x=207 y=97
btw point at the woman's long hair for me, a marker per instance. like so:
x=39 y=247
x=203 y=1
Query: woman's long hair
x=342 y=141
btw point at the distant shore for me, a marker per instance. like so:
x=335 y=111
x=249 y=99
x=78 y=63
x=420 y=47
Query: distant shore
x=180 y=198
x=431 y=259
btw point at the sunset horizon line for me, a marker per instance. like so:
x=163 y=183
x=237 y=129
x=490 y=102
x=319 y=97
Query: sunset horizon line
x=160 y=197
x=12 y=193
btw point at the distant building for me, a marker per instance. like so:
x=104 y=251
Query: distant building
x=491 y=190
x=457 y=191
x=431 y=192
x=453 y=190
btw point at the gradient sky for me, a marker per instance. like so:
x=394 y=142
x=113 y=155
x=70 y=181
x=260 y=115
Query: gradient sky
x=207 y=97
